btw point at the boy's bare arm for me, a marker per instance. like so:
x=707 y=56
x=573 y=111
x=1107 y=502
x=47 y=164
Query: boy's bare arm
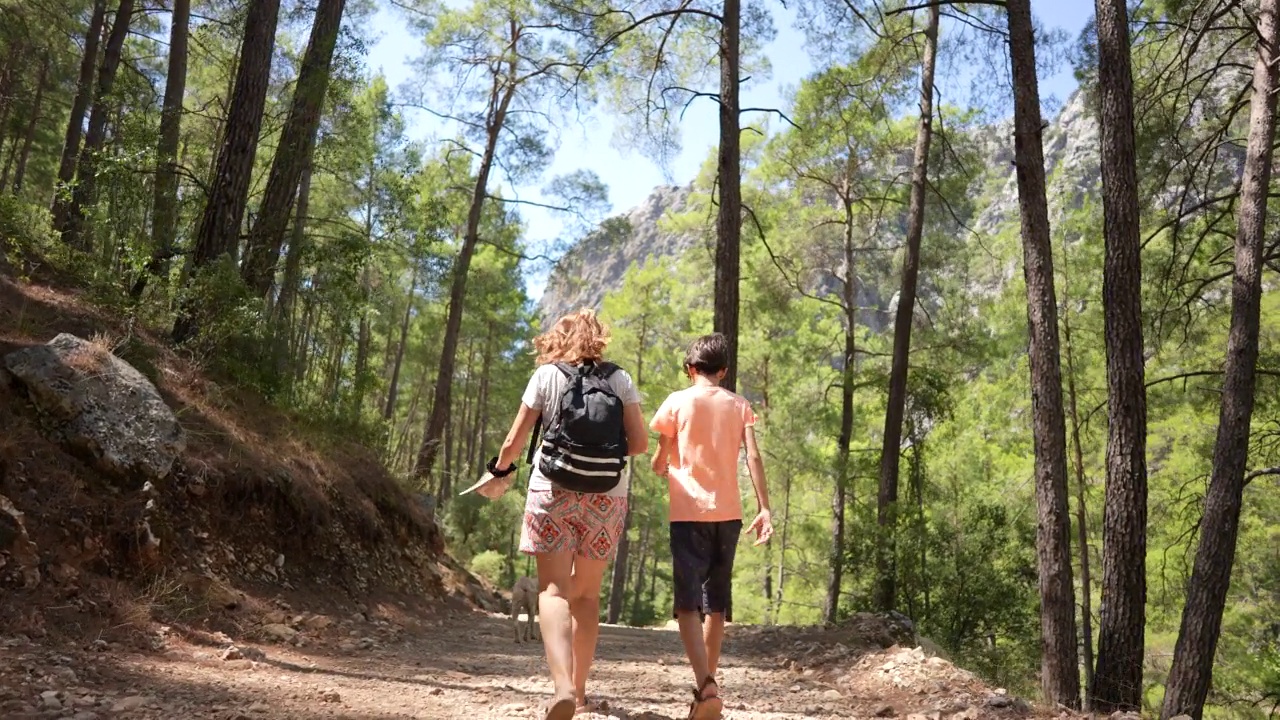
x=660 y=459
x=763 y=524
x=755 y=465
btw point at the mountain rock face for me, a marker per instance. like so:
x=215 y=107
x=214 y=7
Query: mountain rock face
x=597 y=264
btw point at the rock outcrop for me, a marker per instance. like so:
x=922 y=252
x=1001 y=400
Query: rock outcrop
x=597 y=264
x=100 y=406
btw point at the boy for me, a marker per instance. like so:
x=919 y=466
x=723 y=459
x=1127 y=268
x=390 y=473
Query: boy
x=701 y=430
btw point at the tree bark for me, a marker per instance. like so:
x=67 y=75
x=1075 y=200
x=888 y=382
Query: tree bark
x=29 y=136
x=164 y=216
x=497 y=118
x=1194 y=654
x=364 y=343
x=219 y=230
x=729 y=182
x=80 y=104
x=637 y=590
x=618 y=583
x=10 y=157
x=482 y=402
x=1118 y=680
x=839 y=498
x=890 y=453
x=393 y=388
x=297 y=241
x=297 y=142
x=779 y=588
x=1059 y=672
x=69 y=218
x=1082 y=514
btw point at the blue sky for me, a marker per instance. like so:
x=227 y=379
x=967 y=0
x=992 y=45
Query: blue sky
x=629 y=176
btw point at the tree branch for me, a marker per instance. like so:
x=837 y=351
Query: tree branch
x=1260 y=473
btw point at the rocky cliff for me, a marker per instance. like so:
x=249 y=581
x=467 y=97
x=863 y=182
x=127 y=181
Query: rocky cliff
x=597 y=264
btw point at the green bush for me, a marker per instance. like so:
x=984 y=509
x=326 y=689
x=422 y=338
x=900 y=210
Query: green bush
x=24 y=228
x=489 y=565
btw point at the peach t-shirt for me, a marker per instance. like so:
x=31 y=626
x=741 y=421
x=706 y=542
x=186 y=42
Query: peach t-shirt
x=708 y=424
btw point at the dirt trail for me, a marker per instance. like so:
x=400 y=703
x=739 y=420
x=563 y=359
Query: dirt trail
x=465 y=665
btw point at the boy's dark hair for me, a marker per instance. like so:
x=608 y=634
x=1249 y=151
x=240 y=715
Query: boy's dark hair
x=708 y=354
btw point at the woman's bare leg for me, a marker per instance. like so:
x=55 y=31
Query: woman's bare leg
x=555 y=580
x=584 y=605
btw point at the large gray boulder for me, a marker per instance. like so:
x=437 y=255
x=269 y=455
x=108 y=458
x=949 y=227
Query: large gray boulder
x=101 y=406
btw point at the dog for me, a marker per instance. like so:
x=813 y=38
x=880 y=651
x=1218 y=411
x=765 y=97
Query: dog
x=524 y=596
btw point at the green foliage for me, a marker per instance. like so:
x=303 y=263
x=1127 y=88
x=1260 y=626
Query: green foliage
x=25 y=228
x=488 y=565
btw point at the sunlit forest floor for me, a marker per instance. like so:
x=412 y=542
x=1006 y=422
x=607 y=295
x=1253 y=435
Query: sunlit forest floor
x=460 y=663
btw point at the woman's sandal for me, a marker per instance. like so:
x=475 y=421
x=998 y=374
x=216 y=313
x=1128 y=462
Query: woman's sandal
x=706 y=708
x=562 y=709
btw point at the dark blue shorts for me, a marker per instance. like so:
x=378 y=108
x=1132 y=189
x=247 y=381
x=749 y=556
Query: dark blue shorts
x=702 y=566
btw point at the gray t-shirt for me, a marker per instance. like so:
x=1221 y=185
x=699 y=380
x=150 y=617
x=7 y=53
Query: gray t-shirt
x=543 y=394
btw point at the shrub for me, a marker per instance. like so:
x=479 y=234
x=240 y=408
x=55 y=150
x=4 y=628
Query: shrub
x=489 y=565
x=25 y=229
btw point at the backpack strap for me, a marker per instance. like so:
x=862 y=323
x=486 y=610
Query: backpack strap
x=606 y=369
x=533 y=440
x=566 y=369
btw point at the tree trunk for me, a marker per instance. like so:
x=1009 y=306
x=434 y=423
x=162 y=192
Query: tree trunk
x=220 y=225
x=890 y=453
x=634 y=568
x=729 y=182
x=458 y=292
x=164 y=220
x=1194 y=654
x=617 y=590
x=393 y=388
x=1118 y=680
x=80 y=104
x=618 y=579
x=9 y=70
x=1082 y=514
x=917 y=487
x=1059 y=672
x=638 y=587
x=780 y=585
x=297 y=142
x=482 y=422
x=11 y=156
x=463 y=447
x=297 y=241
x=29 y=137
x=839 y=498
x=69 y=218
x=364 y=343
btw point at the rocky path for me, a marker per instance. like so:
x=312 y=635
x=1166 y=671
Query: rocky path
x=466 y=665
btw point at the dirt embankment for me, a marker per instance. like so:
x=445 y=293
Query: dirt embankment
x=256 y=506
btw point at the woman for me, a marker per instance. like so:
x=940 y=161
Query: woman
x=572 y=535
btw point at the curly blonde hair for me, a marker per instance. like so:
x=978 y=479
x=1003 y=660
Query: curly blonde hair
x=574 y=338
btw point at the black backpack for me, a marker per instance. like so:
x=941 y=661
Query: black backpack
x=585 y=449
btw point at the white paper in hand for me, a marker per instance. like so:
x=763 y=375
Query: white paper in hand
x=484 y=479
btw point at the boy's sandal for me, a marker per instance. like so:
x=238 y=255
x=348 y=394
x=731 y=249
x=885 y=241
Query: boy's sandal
x=562 y=709
x=593 y=706
x=706 y=708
